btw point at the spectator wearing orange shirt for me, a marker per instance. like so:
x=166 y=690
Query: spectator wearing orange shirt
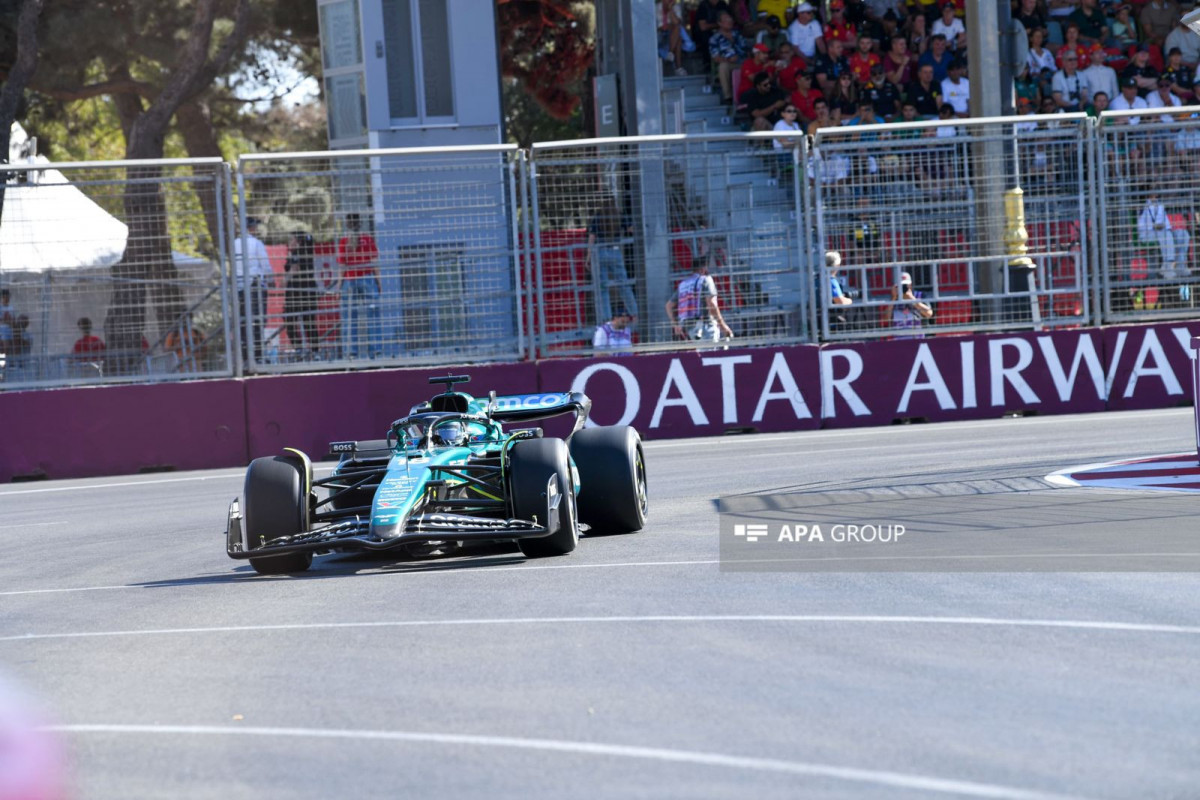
x=358 y=258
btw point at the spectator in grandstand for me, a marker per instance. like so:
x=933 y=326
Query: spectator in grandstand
x=945 y=114
x=773 y=36
x=87 y=348
x=937 y=57
x=805 y=33
x=822 y=118
x=898 y=63
x=918 y=35
x=1067 y=88
x=908 y=312
x=1186 y=42
x=301 y=295
x=694 y=310
x=863 y=59
x=805 y=96
x=950 y=27
x=255 y=279
x=763 y=102
x=20 y=345
x=777 y=9
x=1026 y=87
x=1098 y=105
x=1180 y=75
x=1162 y=97
x=908 y=113
x=1128 y=100
x=606 y=258
x=928 y=10
x=882 y=94
x=1157 y=20
x=758 y=62
x=1058 y=11
x=1093 y=25
x=1031 y=16
x=615 y=335
x=925 y=93
x=187 y=343
x=838 y=27
x=1187 y=149
x=1154 y=226
x=1072 y=44
x=708 y=19
x=673 y=38
x=1142 y=71
x=865 y=116
x=727 y=48
x=1041 y=62
x=1099 y=77
x=7 y=315
x=838 y=298
x=831 y=66
x=956 y=90
x=1124 y=27
x=745 y=20
x=789 y=128
x=843 y=99
x=787 y=65
x=358 y=262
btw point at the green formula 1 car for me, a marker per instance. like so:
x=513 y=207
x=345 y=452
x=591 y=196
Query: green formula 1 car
x=448 y=473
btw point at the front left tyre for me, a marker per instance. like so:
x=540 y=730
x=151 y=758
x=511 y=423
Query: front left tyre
x=276 y=503
x=531 y=465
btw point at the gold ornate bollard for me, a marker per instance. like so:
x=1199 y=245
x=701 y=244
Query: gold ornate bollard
x=1016 y=238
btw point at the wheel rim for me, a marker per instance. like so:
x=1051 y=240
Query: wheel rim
x=643 y=496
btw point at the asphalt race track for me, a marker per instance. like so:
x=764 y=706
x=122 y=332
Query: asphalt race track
x=634 y=667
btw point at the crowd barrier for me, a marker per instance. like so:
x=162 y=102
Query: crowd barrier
x=208 y=424
x=494 y=254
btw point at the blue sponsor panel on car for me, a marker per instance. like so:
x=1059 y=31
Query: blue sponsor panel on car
x=532 y=401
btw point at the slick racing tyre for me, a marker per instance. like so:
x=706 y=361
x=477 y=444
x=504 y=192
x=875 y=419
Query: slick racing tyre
x=612 y=479
x=531 y=464
x=276 y=504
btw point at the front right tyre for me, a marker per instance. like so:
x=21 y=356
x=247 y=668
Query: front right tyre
x=275 y=503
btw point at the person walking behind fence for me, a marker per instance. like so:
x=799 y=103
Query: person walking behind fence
x=694 y=311
x=254 y=277
x=615 y=336
x=300 y=300
x=606 y=259
x=1155 y=226
x=358 y=260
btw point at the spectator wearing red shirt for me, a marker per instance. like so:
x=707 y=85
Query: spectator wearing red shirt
x=863 y=59
x=759 y=61
x=88 y=349
x=788 y=64
x=358 y=258
x=805 y=97
x=839 y=27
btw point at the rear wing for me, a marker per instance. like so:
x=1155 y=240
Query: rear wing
x=526 y=407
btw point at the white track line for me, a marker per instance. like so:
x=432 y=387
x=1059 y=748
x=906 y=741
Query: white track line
x=897 y=780
x=1084 y=625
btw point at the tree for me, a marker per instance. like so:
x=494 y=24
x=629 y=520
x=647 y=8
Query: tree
x=548 y=46
x=19 y=74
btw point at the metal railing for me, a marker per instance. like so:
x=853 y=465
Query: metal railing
x=494 y=253
x=112 y=272
x=415 y=257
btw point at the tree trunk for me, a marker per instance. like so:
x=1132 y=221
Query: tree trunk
x=19 y=77
x=195 y=124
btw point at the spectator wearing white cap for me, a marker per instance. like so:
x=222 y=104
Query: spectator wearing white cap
x=907 y=310
x=805 y=33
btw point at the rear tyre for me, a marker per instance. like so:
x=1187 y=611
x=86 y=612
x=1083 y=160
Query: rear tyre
x=531 y=464
x=275 y=503
x=613 y=496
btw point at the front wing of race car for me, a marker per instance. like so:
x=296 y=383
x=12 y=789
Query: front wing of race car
x=427 y=524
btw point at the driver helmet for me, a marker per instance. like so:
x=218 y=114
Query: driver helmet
x=451 y=432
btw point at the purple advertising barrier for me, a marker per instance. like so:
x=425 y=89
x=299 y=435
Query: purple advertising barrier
x=1196 y=392
x=114 y=430
x=1149 y=366
x=310 y=411
x=701 y=393
x=962 y=377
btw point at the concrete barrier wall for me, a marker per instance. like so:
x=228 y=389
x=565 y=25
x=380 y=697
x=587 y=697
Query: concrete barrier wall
x=208 y=424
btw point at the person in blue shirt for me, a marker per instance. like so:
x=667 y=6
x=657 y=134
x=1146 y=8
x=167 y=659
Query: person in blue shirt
x=838 y=299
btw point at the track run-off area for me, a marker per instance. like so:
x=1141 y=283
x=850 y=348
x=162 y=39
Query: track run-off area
x=636 y=666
